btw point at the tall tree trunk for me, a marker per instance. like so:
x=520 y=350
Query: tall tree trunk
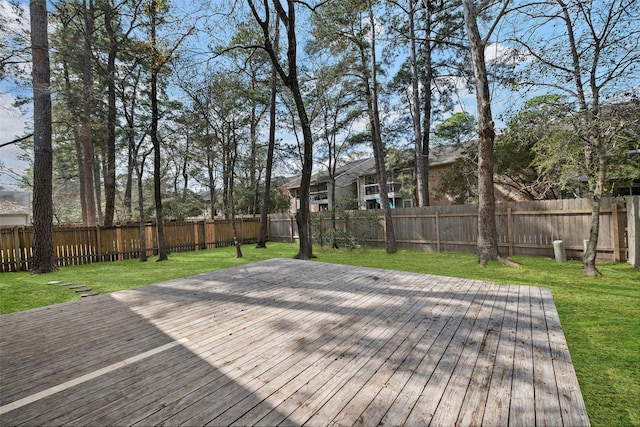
x=77 y=139
x=264 y=212
x=157 y=158
x=253 y=136
x=97 y=162
x=487 y=231
x=110 y=176
x=212 y=180
x=128 y=188
x=589 y=122
x=43 y=255
x=233 y=153
x=290 y=79
x=334 y=220
x=428 y=93
x=87 y=98
x=185 y=168
x=589 y=258
x=303 y=216
x=132 y=148
x=415 y=113
x=378 y=145
x=141 y=224
x=226 y=210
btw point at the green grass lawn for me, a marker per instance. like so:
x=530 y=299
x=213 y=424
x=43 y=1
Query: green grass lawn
x=600 y=316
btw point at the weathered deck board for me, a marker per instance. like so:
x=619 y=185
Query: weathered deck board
x=292 y=342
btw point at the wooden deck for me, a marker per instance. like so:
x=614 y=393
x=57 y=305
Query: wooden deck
x=293 y=342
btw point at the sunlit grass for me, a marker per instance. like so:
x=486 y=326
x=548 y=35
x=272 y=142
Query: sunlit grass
x=600 y=316
x=22 y=291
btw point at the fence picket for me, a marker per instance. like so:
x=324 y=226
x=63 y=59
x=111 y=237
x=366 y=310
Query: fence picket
x=525 y=228
x=75 y=245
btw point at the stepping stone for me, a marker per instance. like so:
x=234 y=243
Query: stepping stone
x=89 y=295
x=85 y=289
x=64 y=284
x=77 y=286
x=54 y=282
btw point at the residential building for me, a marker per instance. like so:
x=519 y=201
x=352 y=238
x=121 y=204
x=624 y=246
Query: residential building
x=357 y=181
x=14 y=208
x=320 y=197
x=401 y=187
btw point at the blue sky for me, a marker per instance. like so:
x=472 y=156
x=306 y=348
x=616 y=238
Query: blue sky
x=12 y=121
x=14 y=124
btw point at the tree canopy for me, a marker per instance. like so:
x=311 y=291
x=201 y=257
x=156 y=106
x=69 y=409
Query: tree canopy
x=173 y=105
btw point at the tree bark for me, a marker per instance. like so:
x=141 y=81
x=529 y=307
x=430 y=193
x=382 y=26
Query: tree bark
x=426 y=121
x=129 y=112
x=110 y=176
x=141 y=224
x=97 y=183
x=233 y=154
x=43 y=255
x=589 y=258
x=211 y=179
x=72 y=108
x=290 y=79
x=487 y=248
x=157 y=158
x=378 y=145
x=87 y=99
x=303 y=216
x=416 y=116
x=128 y=185
x=589 y=119
x=264 y=213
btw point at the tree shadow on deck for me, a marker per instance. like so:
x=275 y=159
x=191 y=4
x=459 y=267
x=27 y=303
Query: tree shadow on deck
x=46 y=348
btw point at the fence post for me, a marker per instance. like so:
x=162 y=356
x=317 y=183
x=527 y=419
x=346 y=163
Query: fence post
x=242 y=227
x=615 y=231
x=18 y=248
x=119 y=243
x=195 y=236
x=148 y=235
x=633 y=230
x=510 y=230
x=438 y=231
x=291 y=228
x=98 y=244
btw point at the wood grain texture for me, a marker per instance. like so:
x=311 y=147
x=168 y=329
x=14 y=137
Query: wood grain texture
x=295 y=342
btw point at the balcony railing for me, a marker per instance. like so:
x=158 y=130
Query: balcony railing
x=319 y=196
x=374 y=189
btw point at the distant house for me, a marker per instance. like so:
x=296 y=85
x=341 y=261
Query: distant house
x=14 y=208
x=401 y=183
x=320 y=198
x=357 y=181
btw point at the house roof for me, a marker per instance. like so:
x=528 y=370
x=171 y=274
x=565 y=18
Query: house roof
x=349 y=167
x=14 y=202
x=445 y=154
x=438 y=156
x=9 y=207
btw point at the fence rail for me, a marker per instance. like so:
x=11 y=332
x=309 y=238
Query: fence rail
x=524 y=228
x=75 y=245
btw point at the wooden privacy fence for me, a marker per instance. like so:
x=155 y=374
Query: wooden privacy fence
x=524 y=228
x=82 y=245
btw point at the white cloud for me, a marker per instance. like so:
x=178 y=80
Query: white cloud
x=496 y=53
x=12 y=125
